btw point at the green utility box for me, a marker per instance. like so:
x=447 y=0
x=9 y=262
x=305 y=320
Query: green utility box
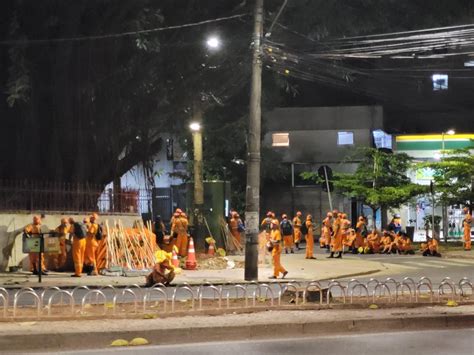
x=216 y=207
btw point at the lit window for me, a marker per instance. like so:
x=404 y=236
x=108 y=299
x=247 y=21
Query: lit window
x=280 y=140
x=440 y=82
x=345 y=138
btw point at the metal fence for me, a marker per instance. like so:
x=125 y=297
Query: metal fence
x=26 y=195
x=27 y=303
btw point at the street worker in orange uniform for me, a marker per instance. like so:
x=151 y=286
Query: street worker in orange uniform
x=309 y=237
x=275 y=240
x=163 y=271
x=406 y=247
x=386 y=242
x=59 y=260
x=325 y=240
x=91 y=245
x=361 y=234
x=349 y=241
x=266 y=224
x=179 y=230
x=287 y=231
x=33 y=231
x=346 y=231
x=234 y=226
x=297 y=223
x=373 y=241
x=430 y=248
x=467 y=224
x=339 y=229
x=78 y=247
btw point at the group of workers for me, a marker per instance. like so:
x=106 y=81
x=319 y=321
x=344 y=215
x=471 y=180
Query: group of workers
x=85 y=240
x=338 y=237
x=178 y=237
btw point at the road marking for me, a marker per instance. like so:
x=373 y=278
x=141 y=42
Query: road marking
x=429 y=265
x=460 y=261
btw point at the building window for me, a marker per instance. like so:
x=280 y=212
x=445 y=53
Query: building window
x=345 y=138
x=440 y=82
x=280 y=140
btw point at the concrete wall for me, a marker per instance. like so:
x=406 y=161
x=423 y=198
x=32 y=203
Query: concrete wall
x=309 y=200
x=11 y=229
x=313 y=131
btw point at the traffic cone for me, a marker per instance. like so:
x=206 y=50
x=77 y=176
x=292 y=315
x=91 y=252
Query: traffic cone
x=211 y=250
x=174 y=259
x=191 y=263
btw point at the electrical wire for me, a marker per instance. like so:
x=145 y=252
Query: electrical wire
x=118 y=35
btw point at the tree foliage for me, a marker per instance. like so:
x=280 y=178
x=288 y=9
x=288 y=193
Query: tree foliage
x=380 y=180
x=454 y=177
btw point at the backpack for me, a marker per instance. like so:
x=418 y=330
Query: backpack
x=304 y=228
x=286 y=228
x=100 y=232
x=80 y=230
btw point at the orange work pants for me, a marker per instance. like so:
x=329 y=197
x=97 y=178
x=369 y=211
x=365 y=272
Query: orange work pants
x=337 y=243
x=91 y=252
x=297 y=233
x=34 y=257
x=288 y=241
x=78 y=251
x=59 y=259
x=277 y=267
x=182 y=244
x=467 y=238
x=309 y=245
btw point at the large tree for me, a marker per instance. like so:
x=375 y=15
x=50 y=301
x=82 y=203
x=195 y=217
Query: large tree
x=454 y=177
x=84 y=102
x=380 y=180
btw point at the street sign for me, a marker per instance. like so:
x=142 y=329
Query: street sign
x=32 y=245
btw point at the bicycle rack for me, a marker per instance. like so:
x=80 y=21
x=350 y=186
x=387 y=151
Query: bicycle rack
x=216 y=292
x=287 y=288
x=313 y=284
x=400 y=287
x=184 y=288
x=383 y=285
x=160 y=291
x=27 y=291
x=418 y=289
x=362 y=287
x=61 y=292
x=334 y=284
x=90 y=293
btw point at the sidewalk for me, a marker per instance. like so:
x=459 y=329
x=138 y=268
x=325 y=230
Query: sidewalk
x=458 y=254
x=67 y=335
x=298 y=269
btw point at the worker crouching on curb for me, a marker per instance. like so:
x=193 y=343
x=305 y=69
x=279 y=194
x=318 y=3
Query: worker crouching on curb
x=163 y=272
x=430 y=248
x=275 y=243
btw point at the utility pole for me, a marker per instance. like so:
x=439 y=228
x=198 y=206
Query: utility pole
x=252 y=207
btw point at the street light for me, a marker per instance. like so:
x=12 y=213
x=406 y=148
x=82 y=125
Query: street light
x=213 y=42
x=195 y=126
x=449 y=132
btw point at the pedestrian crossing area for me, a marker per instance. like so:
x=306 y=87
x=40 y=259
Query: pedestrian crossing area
x=428 y=263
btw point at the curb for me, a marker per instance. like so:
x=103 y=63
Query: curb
x=102 y=338
x=195 y=283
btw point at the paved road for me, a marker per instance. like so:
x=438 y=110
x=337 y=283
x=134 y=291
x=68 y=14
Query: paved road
x=444 y=342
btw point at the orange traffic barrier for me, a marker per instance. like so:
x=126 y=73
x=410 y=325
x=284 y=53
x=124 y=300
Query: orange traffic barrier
x=211 y=250
x=191 y=263
x=174 y=259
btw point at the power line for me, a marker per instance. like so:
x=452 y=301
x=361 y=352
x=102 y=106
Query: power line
x=118 y=35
